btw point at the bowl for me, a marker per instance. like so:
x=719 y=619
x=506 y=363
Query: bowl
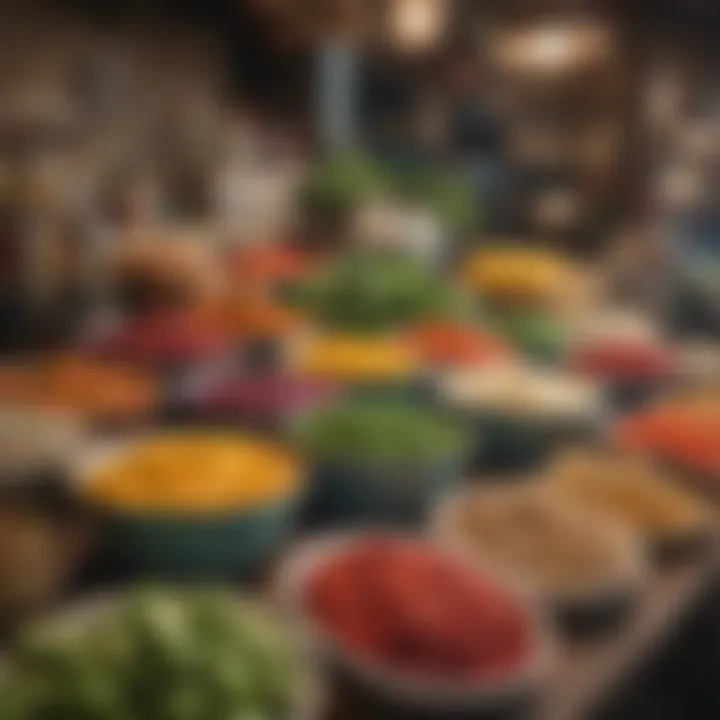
x=592 y=610
x=388 y=693
x=167 y=546
x=515 y=416
x=378 y=494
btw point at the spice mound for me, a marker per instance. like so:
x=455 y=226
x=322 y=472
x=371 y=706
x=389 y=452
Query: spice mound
x=414 y=610
x=348 y=358
x=520 y=390
x=547 y=544
x=194 y=474
x=631 y=489
x=93 y=389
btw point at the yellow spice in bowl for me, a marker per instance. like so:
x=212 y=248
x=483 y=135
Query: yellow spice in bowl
x=195 y=474
x=358 y=359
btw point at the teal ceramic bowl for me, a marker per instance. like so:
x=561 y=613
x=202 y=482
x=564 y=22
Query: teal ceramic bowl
x=350 y=493
x=233 y=545
x=511 y=442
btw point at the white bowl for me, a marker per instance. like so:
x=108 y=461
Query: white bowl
x=387 y=684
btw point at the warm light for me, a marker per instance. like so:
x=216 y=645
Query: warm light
x=550 y=48
x=417 y=24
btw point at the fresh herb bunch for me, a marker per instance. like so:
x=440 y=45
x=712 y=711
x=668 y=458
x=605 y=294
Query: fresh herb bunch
x=377 y=291
x=189 y=655
x=334 y=188
x=380 y=431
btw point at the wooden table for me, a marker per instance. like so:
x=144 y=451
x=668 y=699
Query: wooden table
x=587 y=673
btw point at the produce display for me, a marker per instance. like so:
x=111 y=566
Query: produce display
x=550 y=545
x=358 y=359
x=624 y=359
x=261 y=396
x=376 y=292
x=194 y=473
x=92 y=389
x=370 y=432
x=372 y=374
x=162 y=340
x=421 y=614
x=632 y=490
x=270 y=264
x=683 y=431
x=250 y=314
x=458 y=344
x=518 y=273
x=615 y=325
x=334 y=189
x=537 y=335
x=522 y=391
x=185 y=655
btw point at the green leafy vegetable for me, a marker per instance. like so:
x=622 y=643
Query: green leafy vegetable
x=374 y=291
x=194 y=655
x=380 y=430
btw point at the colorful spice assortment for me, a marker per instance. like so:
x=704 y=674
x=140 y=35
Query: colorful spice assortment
x=684 y=432
x=93 y=389
x=518 y=272
x=162 y=339
x=456 y=344
x=625 y=359
x=250 y=314
x=271 y=264
x=372 y=292
x=194 y=474
x=420 y=613
x=521 y=391
x=632 y=490
x=370 y=432
x=357 y=358
x=549 y=544
x=262 y=395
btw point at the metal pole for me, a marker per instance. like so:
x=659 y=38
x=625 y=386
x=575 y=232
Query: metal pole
x=337 y=74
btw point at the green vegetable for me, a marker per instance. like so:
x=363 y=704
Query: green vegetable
x=334 y=188
x=192 y=655
x=380 y=431
x=537 y=335
x=376 y=291
x=451 y=198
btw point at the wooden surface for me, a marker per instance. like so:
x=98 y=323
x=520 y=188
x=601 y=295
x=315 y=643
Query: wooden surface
x=586 y=673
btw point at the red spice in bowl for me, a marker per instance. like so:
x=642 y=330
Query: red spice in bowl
x=262 y=394
x=447 y=343
x=271 y=264
x=625 y=361
x=162 y=339
x=682 y=436
x=406 y=607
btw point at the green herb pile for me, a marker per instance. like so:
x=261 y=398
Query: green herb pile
x=196 y=655
x=333 y=189
x=372 y=431
x=377 y=291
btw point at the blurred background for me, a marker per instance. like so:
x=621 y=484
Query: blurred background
x=343 y=262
